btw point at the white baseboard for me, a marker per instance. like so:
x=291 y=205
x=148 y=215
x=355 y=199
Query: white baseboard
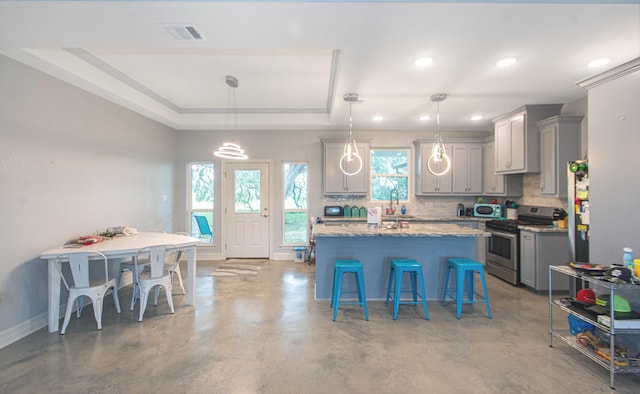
x=204 y=255
x=21 y=330
x=283 y=256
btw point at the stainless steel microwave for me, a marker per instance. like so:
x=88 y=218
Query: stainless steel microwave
x=489 y=210
x=333 y=210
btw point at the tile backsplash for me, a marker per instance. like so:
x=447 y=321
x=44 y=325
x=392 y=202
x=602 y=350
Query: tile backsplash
x=434 y=206
x=531 y=194
x=444 y=206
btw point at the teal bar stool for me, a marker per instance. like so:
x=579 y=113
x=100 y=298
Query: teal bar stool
x=340 y=268
x=465 y=272
x=396 y=272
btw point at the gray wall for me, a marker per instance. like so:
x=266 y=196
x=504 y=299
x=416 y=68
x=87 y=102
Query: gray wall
x=614 y=143
x=70 y=164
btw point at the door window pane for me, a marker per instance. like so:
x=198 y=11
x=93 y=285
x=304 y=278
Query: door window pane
x=247 y=191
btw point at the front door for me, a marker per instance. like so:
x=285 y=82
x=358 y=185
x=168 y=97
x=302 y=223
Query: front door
x=247 y=210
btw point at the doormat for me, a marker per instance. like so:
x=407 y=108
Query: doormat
x=237 y=267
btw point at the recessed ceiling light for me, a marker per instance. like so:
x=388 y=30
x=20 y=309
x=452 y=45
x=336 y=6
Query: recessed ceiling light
x=476 y=117
x=506 y=62
x=423 y=62
x=378 y=118
x=598 y=62
x=424 y=118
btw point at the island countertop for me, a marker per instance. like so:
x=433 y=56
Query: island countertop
x=414 y=230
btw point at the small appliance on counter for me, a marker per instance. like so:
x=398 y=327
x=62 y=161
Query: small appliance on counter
x=460 y=210
x=489 y=210
x=333 y=210
x=374 y=217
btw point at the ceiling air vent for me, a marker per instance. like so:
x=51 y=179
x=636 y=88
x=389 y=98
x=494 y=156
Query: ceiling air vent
x=183 y=32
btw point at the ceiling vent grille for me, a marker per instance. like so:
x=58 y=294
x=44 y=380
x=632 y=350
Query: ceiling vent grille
x=183 y=32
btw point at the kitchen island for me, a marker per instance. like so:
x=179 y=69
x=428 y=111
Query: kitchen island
x=430 y=244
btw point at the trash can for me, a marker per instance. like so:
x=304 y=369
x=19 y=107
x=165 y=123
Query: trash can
x=300 y=252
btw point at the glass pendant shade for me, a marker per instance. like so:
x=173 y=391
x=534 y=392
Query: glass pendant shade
x=350 y=162
x=439 y=157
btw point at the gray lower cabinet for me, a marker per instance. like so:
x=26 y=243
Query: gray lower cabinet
x=539 y=250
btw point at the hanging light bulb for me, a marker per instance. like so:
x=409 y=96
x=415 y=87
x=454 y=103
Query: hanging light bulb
x=230 y=150
x=439 y=155
x=350 y=152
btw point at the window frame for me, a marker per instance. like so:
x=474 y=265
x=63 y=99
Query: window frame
x=192 y=226
x=408 y=175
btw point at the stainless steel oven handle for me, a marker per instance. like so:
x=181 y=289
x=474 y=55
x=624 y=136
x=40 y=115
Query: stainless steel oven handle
x=503 y=234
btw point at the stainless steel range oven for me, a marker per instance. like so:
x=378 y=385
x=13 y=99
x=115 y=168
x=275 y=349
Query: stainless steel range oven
x=503 y=255
x=503 y=247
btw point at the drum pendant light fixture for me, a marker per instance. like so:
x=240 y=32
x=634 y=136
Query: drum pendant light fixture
x=230 y=150
x=350 y=157
x=439 y=155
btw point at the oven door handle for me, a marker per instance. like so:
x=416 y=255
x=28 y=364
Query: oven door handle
x=503 y=234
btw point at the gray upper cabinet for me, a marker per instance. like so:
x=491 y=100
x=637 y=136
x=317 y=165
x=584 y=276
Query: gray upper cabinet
x=334 y=181
x=426 y=182
x=464 y=177
x=494 y=184
x=467 y=169
x=559 y=144
x=517 y=141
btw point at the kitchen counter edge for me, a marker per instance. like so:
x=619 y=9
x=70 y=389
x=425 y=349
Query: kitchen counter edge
x=414 y=230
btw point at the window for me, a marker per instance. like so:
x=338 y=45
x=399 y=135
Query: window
x=201 y=183
x=295 y=214
x=389 y=170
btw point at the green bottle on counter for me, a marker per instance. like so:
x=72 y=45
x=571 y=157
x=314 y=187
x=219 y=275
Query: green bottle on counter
x=355 y=211
x=347 y=211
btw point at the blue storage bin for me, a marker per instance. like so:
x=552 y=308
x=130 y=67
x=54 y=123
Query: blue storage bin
x=577 y=325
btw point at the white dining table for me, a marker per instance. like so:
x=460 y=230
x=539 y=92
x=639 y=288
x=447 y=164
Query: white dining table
x=116 y=248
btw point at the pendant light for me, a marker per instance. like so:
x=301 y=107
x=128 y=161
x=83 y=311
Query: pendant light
x=350 y=156
x=230 y=150
x=438 y=153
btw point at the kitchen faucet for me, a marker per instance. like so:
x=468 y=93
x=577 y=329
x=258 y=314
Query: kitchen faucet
x=391 y=198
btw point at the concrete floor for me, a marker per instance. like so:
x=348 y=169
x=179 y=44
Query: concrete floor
x=266 y=334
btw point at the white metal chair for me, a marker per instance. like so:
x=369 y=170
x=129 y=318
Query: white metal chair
x=135 y=269
x=162 y=261
x=83 y=286
x=130 y=265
